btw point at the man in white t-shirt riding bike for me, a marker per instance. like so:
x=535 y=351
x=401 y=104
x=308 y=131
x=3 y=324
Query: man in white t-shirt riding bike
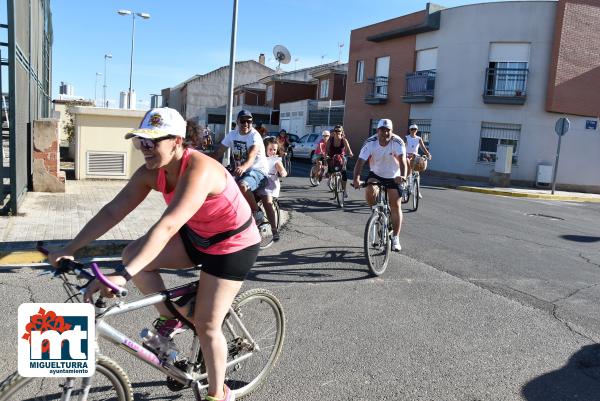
x=386 y=154
x=248 y=158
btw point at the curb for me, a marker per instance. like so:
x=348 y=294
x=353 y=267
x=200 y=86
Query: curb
x=23 y=257
x=103 y=249
x=528 y=195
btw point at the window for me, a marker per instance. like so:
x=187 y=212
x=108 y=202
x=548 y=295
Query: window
x=324 y=92
x=382 y=71
x=508 y=78
x=242 y=98
x=269 y=93
x=493 y=134
x=424 y=129
x=373 y=127
x=360 y=70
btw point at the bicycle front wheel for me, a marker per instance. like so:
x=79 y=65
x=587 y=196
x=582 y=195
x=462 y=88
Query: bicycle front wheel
x=109 y=383
x=314 y=176
x=377 y=244
x=339 y=191
x=415 y=194
x=263 y=318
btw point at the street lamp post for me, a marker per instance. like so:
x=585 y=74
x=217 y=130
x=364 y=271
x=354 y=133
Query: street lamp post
x=133 y=14
x=106 y=57
x=98 y=74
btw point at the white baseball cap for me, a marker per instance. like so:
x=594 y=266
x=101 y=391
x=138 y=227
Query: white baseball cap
x=325 y=132
x=160 y=122
x=413 y=126
x=385 y=123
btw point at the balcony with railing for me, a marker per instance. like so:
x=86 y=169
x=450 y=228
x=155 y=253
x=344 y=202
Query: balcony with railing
x=420 y=86
x=377 y=90
x=505 y=86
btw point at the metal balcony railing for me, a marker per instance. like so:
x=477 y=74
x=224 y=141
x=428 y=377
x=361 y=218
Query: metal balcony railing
x=420 y=83
x=377 y=90
x=505 y=85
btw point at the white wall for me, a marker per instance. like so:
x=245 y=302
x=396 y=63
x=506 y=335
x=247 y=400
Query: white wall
x=463 y=43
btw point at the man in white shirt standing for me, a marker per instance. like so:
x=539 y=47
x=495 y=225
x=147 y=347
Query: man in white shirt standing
x=386 y=154
x=248 y=160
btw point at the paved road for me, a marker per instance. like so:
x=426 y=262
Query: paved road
x=465 y=312
x=540 y=253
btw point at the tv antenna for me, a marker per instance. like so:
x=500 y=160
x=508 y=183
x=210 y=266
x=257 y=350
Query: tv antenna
x=282 y=55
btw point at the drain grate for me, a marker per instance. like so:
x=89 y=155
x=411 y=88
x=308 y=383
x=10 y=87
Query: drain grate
x=546 y=216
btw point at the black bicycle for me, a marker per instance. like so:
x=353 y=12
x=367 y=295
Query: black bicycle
x=264 y=226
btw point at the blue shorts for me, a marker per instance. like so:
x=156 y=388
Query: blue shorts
x=253 y=179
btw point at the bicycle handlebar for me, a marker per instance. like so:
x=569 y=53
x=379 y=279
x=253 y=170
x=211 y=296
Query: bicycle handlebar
x=67 y=266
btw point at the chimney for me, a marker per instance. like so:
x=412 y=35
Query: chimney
x=261 y=58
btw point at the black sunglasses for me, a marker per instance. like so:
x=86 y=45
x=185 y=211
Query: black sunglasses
x=147 y=143
x=248 y=121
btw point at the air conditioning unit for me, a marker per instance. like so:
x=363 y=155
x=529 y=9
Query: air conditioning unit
x=544 y=175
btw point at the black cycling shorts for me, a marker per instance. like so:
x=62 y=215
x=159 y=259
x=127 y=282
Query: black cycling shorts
x=231 y=266
x=388 y=182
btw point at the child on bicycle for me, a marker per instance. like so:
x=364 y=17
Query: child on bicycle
x=271 y=190
x=203 y=201
x=318 y=158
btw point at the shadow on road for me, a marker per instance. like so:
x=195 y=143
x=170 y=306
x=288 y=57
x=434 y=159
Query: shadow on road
x=578 y=380
x=300 y=265
x=580 y=238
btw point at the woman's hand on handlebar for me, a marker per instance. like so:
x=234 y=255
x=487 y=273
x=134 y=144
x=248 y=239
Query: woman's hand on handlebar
x=357 y=183
x=55 y=256
x=96 y=286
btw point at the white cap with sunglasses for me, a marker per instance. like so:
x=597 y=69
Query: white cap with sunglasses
x=158 y=123
x=413 y=126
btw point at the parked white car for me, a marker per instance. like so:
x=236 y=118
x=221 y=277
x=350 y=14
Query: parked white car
x=305 y=147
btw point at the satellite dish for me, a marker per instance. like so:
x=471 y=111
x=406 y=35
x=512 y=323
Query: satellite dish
x=282 y=55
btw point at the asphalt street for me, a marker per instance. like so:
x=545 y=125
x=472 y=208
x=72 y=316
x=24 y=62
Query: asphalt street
x=492 y=298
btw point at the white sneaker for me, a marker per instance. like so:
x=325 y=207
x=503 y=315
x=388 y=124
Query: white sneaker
x=396 y=244
x=420 y=196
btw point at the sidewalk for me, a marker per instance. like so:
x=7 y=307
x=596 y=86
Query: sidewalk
x=57 y=218
x=519 y=192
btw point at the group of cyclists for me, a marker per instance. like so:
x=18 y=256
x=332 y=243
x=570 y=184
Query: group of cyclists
x=211 y=214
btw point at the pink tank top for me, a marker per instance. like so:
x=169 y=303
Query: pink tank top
x=219 y=213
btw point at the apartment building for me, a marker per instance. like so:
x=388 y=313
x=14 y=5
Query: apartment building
x=478 y=76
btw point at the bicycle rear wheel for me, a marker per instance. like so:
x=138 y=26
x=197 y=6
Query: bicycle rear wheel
x=109 y=383
x=288 y=163
x=415 y=194
x=377 y=244
x=263 y=317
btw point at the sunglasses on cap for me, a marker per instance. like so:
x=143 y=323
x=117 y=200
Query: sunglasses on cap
x=147 y=143
x=337 y=130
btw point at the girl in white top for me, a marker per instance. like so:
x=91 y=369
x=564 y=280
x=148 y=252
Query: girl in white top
x=413 y=143
x=271 y=190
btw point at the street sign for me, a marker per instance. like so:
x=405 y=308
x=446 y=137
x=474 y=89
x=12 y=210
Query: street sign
x=562 y=126
x=591 y=124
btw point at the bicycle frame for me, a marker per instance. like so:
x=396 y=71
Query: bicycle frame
x=106 y=331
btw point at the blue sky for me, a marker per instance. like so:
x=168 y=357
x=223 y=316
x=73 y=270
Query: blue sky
x=187 y=37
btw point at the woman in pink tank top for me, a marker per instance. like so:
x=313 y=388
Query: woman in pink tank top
x=207 y=222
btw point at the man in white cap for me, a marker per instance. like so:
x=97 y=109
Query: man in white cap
x=413 y=143
x=386 y=154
